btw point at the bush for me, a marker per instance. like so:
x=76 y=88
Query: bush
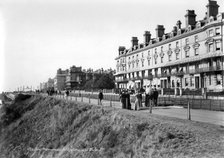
x=12 y=112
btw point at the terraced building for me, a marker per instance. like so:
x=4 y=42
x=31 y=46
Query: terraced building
x=187 y=57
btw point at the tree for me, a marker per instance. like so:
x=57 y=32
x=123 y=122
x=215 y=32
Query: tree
x=89 y=84
x=105 y=82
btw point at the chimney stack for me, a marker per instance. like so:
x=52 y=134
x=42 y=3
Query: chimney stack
x=134 y=41
x=147 y=37
x=212 y=9
x=121 y=49
x=190 y=18
x=160 y=31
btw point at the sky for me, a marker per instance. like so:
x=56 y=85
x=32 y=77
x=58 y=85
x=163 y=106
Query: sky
x=37 y=37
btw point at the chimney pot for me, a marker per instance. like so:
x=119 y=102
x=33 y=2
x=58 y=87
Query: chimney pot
x=212 y=9
x=147 y=37
x=160 y=31
x=190 y=18
x=134 y=41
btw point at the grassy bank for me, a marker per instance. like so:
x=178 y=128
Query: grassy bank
x=34 y=126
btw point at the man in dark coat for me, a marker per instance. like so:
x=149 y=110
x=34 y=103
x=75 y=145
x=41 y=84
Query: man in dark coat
x=123 y=99
x=155 y=96
x=100 y=96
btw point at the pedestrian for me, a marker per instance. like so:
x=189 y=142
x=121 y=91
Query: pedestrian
x=155 y=96
x=100 y=96
x=128 y=100
x=138 y=100
x=123 y=99
x=148 y=96
x=67 y=93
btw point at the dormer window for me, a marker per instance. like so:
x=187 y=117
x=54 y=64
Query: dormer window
x=164 y=37
x=171 y=34
x=211 y=19
x=189 y=28
x=198 y=25
x=179 y=32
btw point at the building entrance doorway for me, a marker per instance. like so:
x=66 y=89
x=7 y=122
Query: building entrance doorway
x=197 y=82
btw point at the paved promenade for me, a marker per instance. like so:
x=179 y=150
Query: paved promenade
x=213 y=117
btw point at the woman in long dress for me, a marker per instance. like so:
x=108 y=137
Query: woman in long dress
x=138 y=100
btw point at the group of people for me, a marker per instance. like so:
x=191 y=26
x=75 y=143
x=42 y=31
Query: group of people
x=151 y=98
x=125 y=99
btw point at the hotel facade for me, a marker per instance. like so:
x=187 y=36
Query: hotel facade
x=187 y=57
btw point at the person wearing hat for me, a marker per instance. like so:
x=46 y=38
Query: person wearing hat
x=123 y=99
x=138 y=100
x=148 y=92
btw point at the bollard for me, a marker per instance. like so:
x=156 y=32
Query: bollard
x=188 y=111
x=98 y=102
x=82 y=98
x=76 y=98
x=89 y=98
x=70 y=97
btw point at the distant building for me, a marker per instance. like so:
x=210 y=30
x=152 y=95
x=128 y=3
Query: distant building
x=74 y=77
x=50 y=83
x=43 y=86
x=187 y=57
x=60 y=79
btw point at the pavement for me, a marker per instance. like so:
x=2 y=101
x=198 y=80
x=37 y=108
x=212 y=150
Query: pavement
x=207 y=116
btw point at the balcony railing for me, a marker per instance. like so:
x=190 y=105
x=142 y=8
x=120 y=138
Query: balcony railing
x=194 y=71
x=122 y=80
x=198 y=70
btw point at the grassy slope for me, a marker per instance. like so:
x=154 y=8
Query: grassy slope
x=81 y=130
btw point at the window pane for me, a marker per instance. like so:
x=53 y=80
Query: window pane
x=210 y=47
x=218 y=45
x=217 y=31
x=196 y=51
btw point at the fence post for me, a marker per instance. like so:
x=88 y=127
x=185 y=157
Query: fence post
x=200 y=102
x=210 y=104
x=188 y=111
x=150 y=106
x=110 y=101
